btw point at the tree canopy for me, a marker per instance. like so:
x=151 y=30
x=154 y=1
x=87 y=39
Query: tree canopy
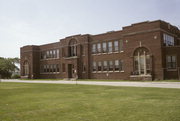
x=7 y=66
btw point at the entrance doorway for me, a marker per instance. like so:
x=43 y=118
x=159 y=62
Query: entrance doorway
x=142 y=61
x=70 y=70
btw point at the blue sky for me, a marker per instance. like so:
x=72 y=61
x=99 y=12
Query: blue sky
x=36 y=22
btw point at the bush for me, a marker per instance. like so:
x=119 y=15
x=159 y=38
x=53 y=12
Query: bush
x=15 y=76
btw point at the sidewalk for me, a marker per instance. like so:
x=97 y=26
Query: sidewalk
x=129 y=84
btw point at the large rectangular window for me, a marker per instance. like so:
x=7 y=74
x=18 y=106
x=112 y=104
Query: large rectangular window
x=54 y=54
x=104 y=49
x=110 y=65
x=109 y=46
x=121 y=65
x=99 y=66
x=57 y=68
x=94 y=66
x=171 y=62
x=116 y=46
x=93 y=48
x=105 y=66
x=116 y=65
x=121 y=46
x=57 y=52
x=99 y=47
x=168 y=40
x=50 y=54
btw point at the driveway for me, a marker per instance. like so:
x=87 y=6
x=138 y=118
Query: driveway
x=129 y=84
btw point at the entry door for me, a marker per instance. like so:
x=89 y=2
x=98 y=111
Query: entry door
x=70 y=69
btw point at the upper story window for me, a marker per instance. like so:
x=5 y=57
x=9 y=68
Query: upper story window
x=104 y=47
x=73 y=48
x=171 y=62
x=94 y=48
x=116 y=45
x=109 y=46
x=50 y=54
x=57 y=53
x=121 y=46
x=168 y=40
x=99 y=47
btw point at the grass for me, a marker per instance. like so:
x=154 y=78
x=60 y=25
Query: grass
x=58 y=102
x=111 y=80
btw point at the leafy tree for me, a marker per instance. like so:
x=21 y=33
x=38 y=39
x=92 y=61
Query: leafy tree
x=7 y=66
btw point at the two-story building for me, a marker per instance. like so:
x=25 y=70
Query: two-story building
x=143 y=51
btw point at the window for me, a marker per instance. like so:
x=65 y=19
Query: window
x=116 y=65
x=105 y=66
x=48 y=55
x=51 y=54
x=110 y=65
x=54 y=54
x=121 y=45
x=54 y=68
x=109 y=46
x=168 y=40
x=44 y=69
x=99 y=66
x=104 y=49
x=44 y=55
x=47 y=67
x=73 y=48
x=116 y=46
x=171 y=62
x=121 y=65
x=99 y=47
x=94 y=66
x=94 y=48
x=57 y=52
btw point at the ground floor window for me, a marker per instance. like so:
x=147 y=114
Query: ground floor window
x=94 y=66
x=171 y=62
x=111 y=65
x=50 y=68
x=99 y=66
x=105 y=66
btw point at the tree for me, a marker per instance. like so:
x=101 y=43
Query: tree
x=7 y=66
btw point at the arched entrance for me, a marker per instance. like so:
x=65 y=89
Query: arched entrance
x=142 y=61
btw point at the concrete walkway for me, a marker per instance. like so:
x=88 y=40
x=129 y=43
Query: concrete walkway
x=130 y=84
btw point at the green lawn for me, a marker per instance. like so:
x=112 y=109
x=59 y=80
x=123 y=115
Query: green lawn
x=58 y=102
x=111 y=80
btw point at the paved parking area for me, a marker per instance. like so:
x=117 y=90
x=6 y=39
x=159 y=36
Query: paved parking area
x=129 y=84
